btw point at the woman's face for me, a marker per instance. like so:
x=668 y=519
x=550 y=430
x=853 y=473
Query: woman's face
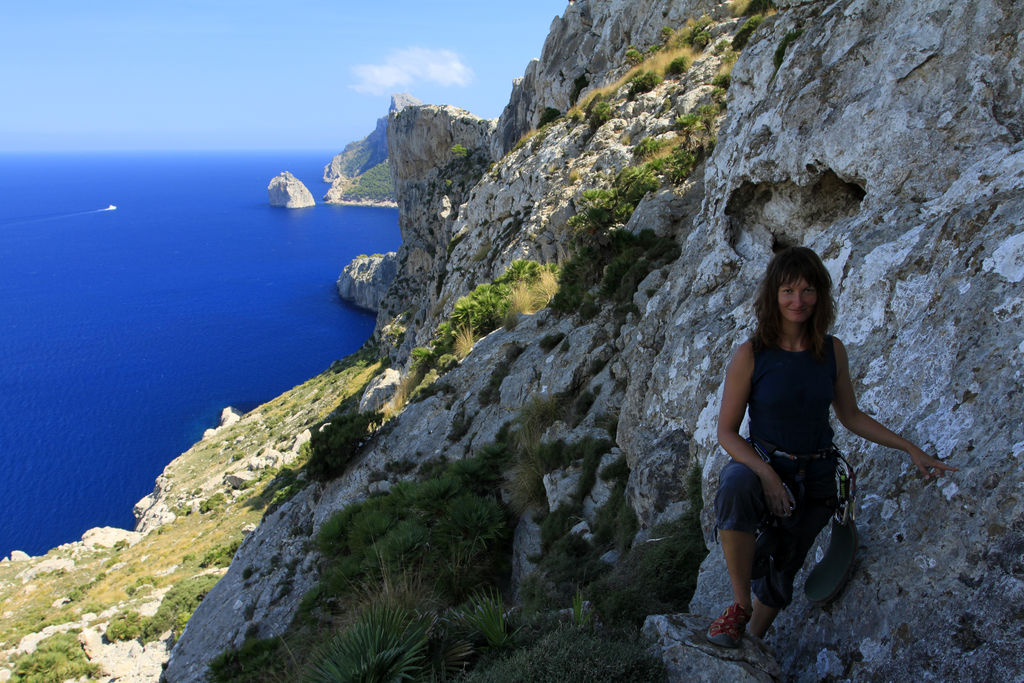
x=797 y=301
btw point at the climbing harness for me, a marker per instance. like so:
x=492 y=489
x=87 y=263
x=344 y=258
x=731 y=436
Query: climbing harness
x=828 y=577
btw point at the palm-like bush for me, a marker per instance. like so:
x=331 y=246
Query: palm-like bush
x=385 y=644
x=484 y=614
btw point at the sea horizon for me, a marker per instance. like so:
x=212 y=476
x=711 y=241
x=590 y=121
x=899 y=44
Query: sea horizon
x=128 y=330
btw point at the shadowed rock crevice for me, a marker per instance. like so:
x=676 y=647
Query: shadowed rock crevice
x=788 y=212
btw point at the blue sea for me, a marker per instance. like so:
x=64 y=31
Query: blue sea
x=125 y=332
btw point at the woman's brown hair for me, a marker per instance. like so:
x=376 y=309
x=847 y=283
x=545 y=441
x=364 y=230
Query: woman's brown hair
x=788 y=266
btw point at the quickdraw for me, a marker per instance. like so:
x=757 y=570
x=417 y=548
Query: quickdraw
x=846 y=489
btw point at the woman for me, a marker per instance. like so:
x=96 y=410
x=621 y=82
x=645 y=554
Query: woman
x=787 y=375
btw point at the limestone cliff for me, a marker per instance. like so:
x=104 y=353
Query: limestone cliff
x=889 y=137
x=366 y=280
x=357 y=171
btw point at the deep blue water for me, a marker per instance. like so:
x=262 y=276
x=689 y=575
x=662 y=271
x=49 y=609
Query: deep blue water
x=124 y=333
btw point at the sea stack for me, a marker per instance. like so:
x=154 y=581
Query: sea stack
x=288 y=191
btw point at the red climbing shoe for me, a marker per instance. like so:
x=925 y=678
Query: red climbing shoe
x=727 y=630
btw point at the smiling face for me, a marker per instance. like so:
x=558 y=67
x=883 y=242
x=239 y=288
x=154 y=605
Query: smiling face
x=797 y=300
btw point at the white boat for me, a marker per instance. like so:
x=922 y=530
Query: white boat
x=110 y=208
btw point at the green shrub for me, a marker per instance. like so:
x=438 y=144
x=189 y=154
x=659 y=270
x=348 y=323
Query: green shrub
x=338 y=443
x=574 y=655
x=214 y=503
x=549 y=115
x=680 y=165
x=385 y=644
x=648 y=147
x=485 y=614
x=261 y=659
x=722 y=81
x=482 y=310
x=599 y=112
x=677 y=66
x=126 y=626
x=550 y=341
x=220 y=556
x=760 y=6
x=177 y=607
x=697 y=35
x=441 y=529
x=742 y=37
x=643 y=82
x=459 y=151
x=658 y=576
x=780 y=51
x=633 y=56
x=56 y=659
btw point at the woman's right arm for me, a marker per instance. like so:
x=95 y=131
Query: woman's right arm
x=730 y=418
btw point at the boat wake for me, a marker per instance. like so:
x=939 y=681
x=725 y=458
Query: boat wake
x=56 y=216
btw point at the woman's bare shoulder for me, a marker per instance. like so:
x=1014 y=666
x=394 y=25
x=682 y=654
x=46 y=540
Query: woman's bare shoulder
x=743 y=356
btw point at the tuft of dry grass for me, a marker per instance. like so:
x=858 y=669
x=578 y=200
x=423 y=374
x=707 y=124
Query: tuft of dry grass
x=544 y=289
x=406 y=386
x=464 y=341
x=525 y=482
x=657 y=62
x=531 y=297
x=520 y=299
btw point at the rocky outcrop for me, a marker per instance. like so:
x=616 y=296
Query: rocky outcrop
x=285 y=190
x=586 y=49
x=886 y=136
x=361 y=157
x=680 y=641
x=437 y=155
x=366 y=280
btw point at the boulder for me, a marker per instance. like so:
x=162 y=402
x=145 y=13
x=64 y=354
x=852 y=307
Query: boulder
x=380 y=390
x=108 y=537
x=285 y=190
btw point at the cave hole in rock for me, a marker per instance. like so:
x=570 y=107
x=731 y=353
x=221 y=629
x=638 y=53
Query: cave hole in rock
x=788 y=212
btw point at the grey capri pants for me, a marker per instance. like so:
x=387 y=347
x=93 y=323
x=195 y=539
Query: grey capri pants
x=782 y=544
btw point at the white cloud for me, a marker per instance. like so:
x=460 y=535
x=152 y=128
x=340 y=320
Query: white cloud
x=412 y=65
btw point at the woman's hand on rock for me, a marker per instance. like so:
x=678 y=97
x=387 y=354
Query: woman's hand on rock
x=926 y=465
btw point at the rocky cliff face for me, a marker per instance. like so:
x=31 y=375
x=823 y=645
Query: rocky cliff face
x=889 y=138
x=586 y=49
x=366 y=280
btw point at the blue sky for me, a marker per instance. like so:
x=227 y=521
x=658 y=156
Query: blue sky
x=228 y=74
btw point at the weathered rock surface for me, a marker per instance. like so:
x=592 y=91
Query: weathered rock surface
x=366 y=280
x=680 y=641
x=285 y=190
x=379 y=391
x=126 y=661
x=585 y=49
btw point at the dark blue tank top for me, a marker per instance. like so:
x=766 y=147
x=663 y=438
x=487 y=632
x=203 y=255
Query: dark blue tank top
x=790 y=396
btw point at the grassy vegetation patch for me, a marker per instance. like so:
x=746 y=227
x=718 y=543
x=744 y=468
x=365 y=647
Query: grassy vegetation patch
x=484 y=310
x=56 y=659
x=569 y=654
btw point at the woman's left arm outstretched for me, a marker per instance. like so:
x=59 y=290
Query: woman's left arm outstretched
x=863 y=425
